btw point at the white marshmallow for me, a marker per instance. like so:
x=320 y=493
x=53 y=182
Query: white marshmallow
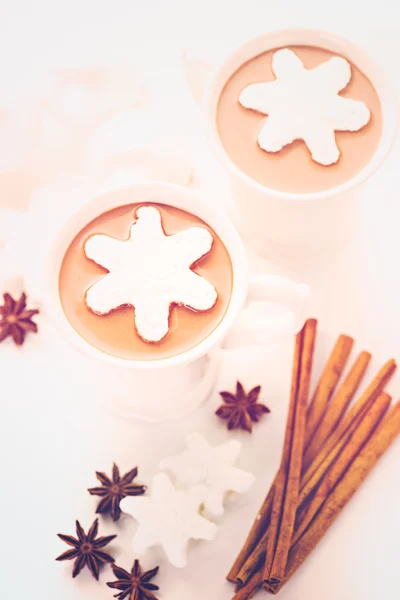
x=168 y=518
x=305 y=104
x=212 y=467
x=150 y=271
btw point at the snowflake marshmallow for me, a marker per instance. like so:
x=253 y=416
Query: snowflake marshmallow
x=305 y=104
x=150 y=271
x=169 y=518
x=212 y=467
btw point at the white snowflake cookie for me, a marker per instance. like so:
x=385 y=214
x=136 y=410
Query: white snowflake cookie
x=168 y=518
x=304 y=104
x=150 y=271
x=212 y=467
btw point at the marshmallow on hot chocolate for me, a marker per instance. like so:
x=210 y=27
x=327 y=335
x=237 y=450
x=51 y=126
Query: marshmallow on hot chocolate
x=305 y=104
x=150 y=271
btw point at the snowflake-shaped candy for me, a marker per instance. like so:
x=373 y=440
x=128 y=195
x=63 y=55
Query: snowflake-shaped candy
x=169 y=518
x=213 y=467
x=305 y=104
x=150 y=271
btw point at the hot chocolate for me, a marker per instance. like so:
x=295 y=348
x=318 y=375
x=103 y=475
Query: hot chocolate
x=281 y=158
x=107 y=270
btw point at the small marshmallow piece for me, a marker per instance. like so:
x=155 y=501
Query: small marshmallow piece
x=212 y=467
x=168 y=518
x=305 y=104
x=150 y=271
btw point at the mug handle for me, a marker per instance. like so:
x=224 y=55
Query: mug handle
x=248 y=331
x=197 y=72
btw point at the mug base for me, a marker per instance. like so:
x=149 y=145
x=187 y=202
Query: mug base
x=157 y=396
x=316 y=244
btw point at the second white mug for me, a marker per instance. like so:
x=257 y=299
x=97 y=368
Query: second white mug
x=279 y=224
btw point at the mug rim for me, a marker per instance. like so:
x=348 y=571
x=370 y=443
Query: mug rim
x=312 y=37
x=162 y=193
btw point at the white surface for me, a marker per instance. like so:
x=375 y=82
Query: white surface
x=305 y=104
x=53 y=434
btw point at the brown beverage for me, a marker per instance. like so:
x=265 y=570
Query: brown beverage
x=115 y=332
x=292 y=169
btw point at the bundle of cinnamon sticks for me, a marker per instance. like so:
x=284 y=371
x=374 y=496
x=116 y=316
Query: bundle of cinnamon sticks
x=329 y=449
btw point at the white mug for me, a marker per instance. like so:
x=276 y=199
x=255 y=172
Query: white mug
x=282 y=224
x=161 y=389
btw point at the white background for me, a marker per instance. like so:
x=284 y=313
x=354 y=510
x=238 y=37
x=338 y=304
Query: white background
x=54 y=433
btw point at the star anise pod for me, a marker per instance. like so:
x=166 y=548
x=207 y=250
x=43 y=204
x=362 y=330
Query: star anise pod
x=87 y=549
x=113 y=490
x=15 y=320
x=134 y=585
x=241 y=409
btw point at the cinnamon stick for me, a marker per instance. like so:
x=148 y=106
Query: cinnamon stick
x=254 y=550
x=260 y=525
x=307 y=487
x=280 y=478
x=310 y=483
x=288 y=481
x=264 y=515
x=353 y=444
x=255 y=561
x=322 y=463
x=247 y=566
x=250 y=589
x=363 y=464
x=376 y=386
x=336 y=408
x=327 y=383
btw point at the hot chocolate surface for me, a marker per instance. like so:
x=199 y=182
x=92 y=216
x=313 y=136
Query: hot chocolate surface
x=115 y=333
x=292 y=169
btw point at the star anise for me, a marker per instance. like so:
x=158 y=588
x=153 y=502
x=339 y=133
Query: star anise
x=134 y=585
x=112 y=491
x=87 y=549
x=241 y=409
x=15 y=320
